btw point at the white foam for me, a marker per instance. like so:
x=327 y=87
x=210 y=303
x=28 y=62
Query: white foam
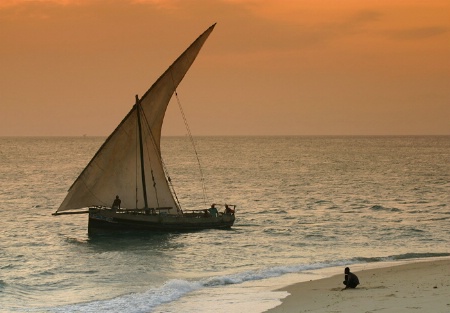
x=239 y=288
x=249 y=292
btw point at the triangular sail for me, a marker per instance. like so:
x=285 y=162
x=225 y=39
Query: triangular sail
x=114 y=168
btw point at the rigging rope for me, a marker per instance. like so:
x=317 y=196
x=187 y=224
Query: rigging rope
x=166 y=171
x=193 y=145
x=137 y=162
x=149 y=155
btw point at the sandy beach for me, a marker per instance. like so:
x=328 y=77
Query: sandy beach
x=422 y=286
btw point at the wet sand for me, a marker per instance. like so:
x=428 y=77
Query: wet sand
x=422 y=286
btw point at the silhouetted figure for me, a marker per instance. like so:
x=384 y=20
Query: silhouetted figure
x=350 y=279
x=116 y=203
x=229 y=210
x=213 y=210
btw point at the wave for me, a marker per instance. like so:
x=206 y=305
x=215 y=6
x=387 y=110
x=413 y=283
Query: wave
x=174 y=289
x=399 y=257
x=382 y=208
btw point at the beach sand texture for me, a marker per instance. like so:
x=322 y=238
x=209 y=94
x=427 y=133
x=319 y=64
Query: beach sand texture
x=412 y=287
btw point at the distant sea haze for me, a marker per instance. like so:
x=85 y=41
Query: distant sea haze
x=303 y=203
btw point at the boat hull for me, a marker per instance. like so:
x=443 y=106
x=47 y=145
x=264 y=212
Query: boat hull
x=108 y=219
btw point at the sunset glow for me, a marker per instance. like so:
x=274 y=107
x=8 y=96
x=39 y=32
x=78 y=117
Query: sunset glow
x=269 y=68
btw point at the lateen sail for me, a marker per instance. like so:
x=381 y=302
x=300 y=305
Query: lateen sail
x=113 y=169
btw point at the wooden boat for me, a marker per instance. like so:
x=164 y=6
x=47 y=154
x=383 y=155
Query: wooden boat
x=130 y=164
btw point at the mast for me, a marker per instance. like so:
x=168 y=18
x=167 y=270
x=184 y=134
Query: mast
x=141 y=150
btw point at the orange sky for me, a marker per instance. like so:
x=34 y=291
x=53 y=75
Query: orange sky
x=271 y=67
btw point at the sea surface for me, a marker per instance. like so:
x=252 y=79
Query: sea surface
x=303 y=204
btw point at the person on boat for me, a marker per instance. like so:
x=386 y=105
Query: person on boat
x=228 y=210
x=350 y=279
x=116 y=204
x=213 y=210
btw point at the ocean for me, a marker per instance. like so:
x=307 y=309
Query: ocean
x=304 y=204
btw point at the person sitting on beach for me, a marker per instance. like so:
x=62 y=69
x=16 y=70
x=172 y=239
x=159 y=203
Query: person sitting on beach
x=350 y=279
x=116 y=204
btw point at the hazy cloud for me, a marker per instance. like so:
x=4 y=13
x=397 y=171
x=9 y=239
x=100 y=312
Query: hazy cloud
x=417 y=33
x=84 y=60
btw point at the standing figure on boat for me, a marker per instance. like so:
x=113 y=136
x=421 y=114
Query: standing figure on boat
x=213 y=210
x=229 y=210
x=116 y=204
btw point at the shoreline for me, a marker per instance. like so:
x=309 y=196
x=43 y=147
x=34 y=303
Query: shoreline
x=420 y=285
